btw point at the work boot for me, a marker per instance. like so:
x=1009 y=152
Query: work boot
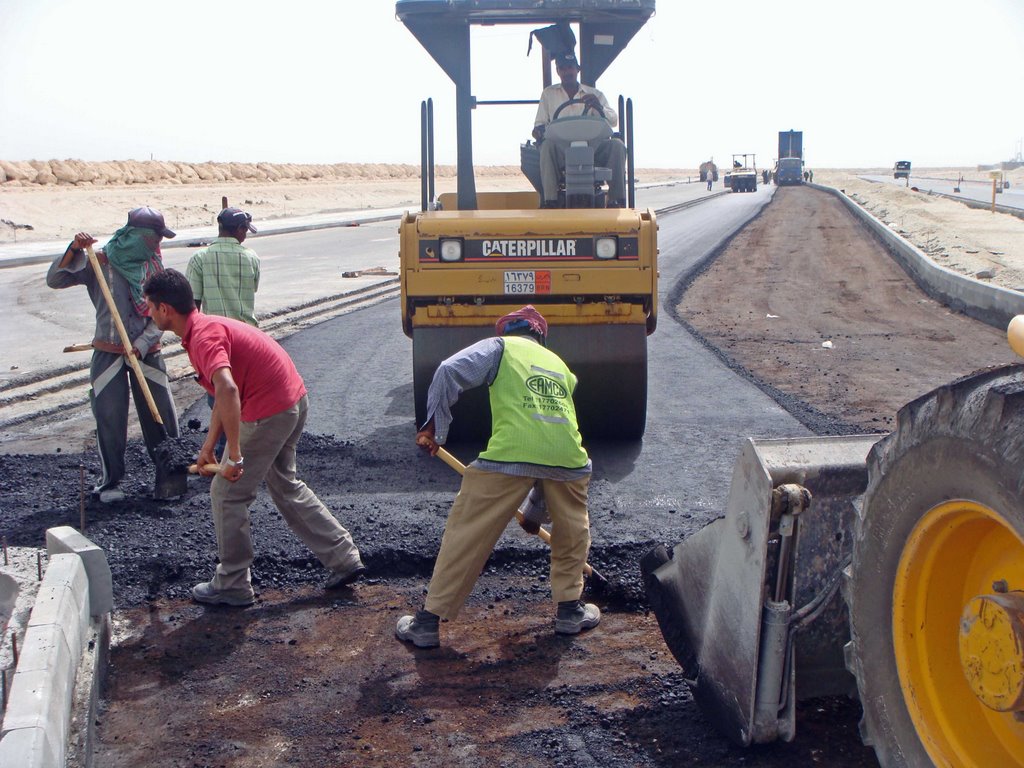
x=420 y=630
x=207 y=593
x=345 y=576
x=573 y=616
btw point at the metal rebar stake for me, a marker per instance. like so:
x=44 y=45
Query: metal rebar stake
x=81 y=498
x=39 y=566
x=14 y=646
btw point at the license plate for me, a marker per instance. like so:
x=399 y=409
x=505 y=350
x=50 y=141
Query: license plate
x=527 y=281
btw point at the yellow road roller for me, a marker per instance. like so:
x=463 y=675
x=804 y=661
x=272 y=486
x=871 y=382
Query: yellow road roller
x=469 y=257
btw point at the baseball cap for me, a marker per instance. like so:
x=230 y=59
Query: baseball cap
x=233 y=218
x=149 y=218
x=565 y=58
x=521 y=319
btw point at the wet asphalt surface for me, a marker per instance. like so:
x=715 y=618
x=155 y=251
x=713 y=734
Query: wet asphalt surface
x=358 y=455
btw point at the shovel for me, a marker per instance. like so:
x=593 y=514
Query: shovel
x=170 y=457
x=588 y=570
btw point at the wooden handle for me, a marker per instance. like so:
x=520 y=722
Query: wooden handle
x=459 y=467
x=125 y=341
x=193 y=469
x=78 y=348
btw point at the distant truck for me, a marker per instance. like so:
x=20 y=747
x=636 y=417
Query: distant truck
x=708 y=168
x=901 y=170
x=789 y=168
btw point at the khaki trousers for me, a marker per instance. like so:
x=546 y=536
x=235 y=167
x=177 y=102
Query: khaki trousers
x=487 y=501
x=268 y=447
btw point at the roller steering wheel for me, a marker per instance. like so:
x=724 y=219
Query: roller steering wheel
x=572 y=101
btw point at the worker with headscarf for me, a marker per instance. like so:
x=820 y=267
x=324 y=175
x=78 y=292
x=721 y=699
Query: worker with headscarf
x=535 y=446
x=131 y=256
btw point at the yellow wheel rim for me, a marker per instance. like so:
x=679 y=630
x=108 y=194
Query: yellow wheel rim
x=958 y=554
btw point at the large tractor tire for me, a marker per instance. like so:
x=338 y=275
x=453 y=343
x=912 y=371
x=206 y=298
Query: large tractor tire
x=936 y=585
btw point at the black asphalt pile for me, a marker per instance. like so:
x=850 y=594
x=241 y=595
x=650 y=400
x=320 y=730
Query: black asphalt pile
x=162 y=548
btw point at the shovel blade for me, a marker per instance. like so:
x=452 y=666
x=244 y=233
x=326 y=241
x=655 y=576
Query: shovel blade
x=170 y=483
x=171 y=459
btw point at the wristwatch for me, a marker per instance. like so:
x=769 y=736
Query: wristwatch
x=232 y=463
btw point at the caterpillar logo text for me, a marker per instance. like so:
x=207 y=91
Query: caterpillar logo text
x=528 y=248
x=546 y=387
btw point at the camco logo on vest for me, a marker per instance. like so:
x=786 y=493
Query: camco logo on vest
x=547 y=387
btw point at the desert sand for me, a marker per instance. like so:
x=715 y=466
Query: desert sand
x=51 y=200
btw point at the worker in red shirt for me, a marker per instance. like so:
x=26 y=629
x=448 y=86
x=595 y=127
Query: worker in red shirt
x=260 y=404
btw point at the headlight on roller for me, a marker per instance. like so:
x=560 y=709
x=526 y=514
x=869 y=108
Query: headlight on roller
x=606 y=248
x=451 y=250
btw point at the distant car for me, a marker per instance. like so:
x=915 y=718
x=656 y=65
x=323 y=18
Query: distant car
x=901 y=170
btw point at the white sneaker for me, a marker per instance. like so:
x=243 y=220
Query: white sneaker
x=111 y=495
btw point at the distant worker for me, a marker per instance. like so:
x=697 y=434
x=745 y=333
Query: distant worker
x=131 y=255
x=610 y=153
x=535 y=443
x=805 y=176
x=764 y=177
x=711 y=178
x=261 y=404
x=810 y=176
x=226 y=275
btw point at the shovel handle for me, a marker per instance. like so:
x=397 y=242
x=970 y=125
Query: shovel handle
x=123 y=333
x=193 y=469
x=459 y=467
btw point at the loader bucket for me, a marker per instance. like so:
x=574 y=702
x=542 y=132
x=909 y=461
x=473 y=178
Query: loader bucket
x=746 y=653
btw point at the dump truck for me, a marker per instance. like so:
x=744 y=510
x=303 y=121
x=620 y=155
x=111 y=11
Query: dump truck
x=469 y=257
x=789 y=167
x=901 y=170
x=885 y=567
x=708 y=169
x=743 y=176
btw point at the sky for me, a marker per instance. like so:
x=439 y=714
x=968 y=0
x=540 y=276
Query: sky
x=937 y=82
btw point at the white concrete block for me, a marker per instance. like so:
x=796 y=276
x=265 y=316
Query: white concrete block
x=45 y=649
x=65 y=539
x=63 y=600
x=34 y=702
x=27 y=748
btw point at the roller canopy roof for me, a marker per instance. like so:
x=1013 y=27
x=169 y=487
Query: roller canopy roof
x=606 y=26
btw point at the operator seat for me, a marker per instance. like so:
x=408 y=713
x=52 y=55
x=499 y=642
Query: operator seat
x=582 y=184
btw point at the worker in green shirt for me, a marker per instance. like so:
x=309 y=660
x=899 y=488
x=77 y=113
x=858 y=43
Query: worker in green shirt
x=226 y=275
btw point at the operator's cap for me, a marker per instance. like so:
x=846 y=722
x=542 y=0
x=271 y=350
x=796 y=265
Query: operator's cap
x=565 y=59
x=526 y=318
x=149 y=218
x=233 y=218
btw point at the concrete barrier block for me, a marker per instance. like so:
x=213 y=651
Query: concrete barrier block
x=65 y=539
x=63 y=600
x=34 y=702
x=46 y=649
x=27 y=748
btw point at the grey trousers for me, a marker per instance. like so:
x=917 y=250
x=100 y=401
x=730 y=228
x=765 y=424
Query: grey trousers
x=610 y=153
x=268 y=448
x=112 y=376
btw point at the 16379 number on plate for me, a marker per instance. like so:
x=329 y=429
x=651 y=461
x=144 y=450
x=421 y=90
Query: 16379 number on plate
x=527 y=281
